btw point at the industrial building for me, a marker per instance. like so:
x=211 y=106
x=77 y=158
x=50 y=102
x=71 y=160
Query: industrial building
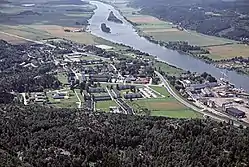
x=235 y=112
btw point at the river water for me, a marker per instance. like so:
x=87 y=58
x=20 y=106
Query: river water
x=125 y=34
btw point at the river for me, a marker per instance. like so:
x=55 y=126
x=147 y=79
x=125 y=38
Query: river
x=125 y=34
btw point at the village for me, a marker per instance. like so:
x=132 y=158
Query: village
x=97 y=78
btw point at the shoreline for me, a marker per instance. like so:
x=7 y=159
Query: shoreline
x=203 y=58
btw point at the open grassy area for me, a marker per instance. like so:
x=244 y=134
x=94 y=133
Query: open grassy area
x=168 y=69
x=228 y=51
x=11 y=39
x=64 y=103
x=168 y=107
x=104 y=105
x=177 y=114
x=62 y=77
x=162 y=90
x=193 y=38
x=25 y=31
x=79 y=14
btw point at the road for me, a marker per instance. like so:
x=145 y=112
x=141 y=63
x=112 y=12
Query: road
x=215 y=115
x=24 y=99
x=79 y=100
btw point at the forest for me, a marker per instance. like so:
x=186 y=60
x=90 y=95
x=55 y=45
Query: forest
x=17 y=77
x=49 y=137
x=227 y=19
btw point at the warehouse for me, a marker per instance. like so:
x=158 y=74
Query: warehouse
x=235 y=112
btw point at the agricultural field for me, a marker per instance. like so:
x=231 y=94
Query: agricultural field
x=173 y=34
x=228 y=51
x=11 y=39
x=23 y=31
x=47 y=19
x=105 y=105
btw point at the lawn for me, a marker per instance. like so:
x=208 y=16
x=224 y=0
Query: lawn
x=104 y=105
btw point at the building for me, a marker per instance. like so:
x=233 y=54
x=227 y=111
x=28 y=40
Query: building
x=124 y=87
x=206 y=92
x=132 y=96
x=96 y=90
x=194 y=87
x=235 y=112
x=105 y=97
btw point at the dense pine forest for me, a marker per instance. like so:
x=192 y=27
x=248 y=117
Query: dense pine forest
x=46 y=137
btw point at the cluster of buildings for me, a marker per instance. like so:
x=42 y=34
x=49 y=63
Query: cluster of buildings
x=220 y=97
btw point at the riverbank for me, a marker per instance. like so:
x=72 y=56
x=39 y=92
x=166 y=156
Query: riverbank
x=125 y=34
x=211 y=50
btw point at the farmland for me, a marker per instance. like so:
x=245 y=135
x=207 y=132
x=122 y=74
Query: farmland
x=228 y=51
x=219 y=48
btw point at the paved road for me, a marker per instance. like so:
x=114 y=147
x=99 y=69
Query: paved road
x=79 y=100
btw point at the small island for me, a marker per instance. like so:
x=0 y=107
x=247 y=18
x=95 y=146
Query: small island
x=113 y=18
x=104 y=28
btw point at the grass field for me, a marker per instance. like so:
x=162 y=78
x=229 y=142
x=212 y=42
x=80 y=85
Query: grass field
x=62 y=77
x=168 y=107
x=228 y=51
x=64 y=103
x=12 y=40
x=193 y=38
x=25 y=31
x=104 y=105
x=177 y=114
x=162 y=90
x=168 y=69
